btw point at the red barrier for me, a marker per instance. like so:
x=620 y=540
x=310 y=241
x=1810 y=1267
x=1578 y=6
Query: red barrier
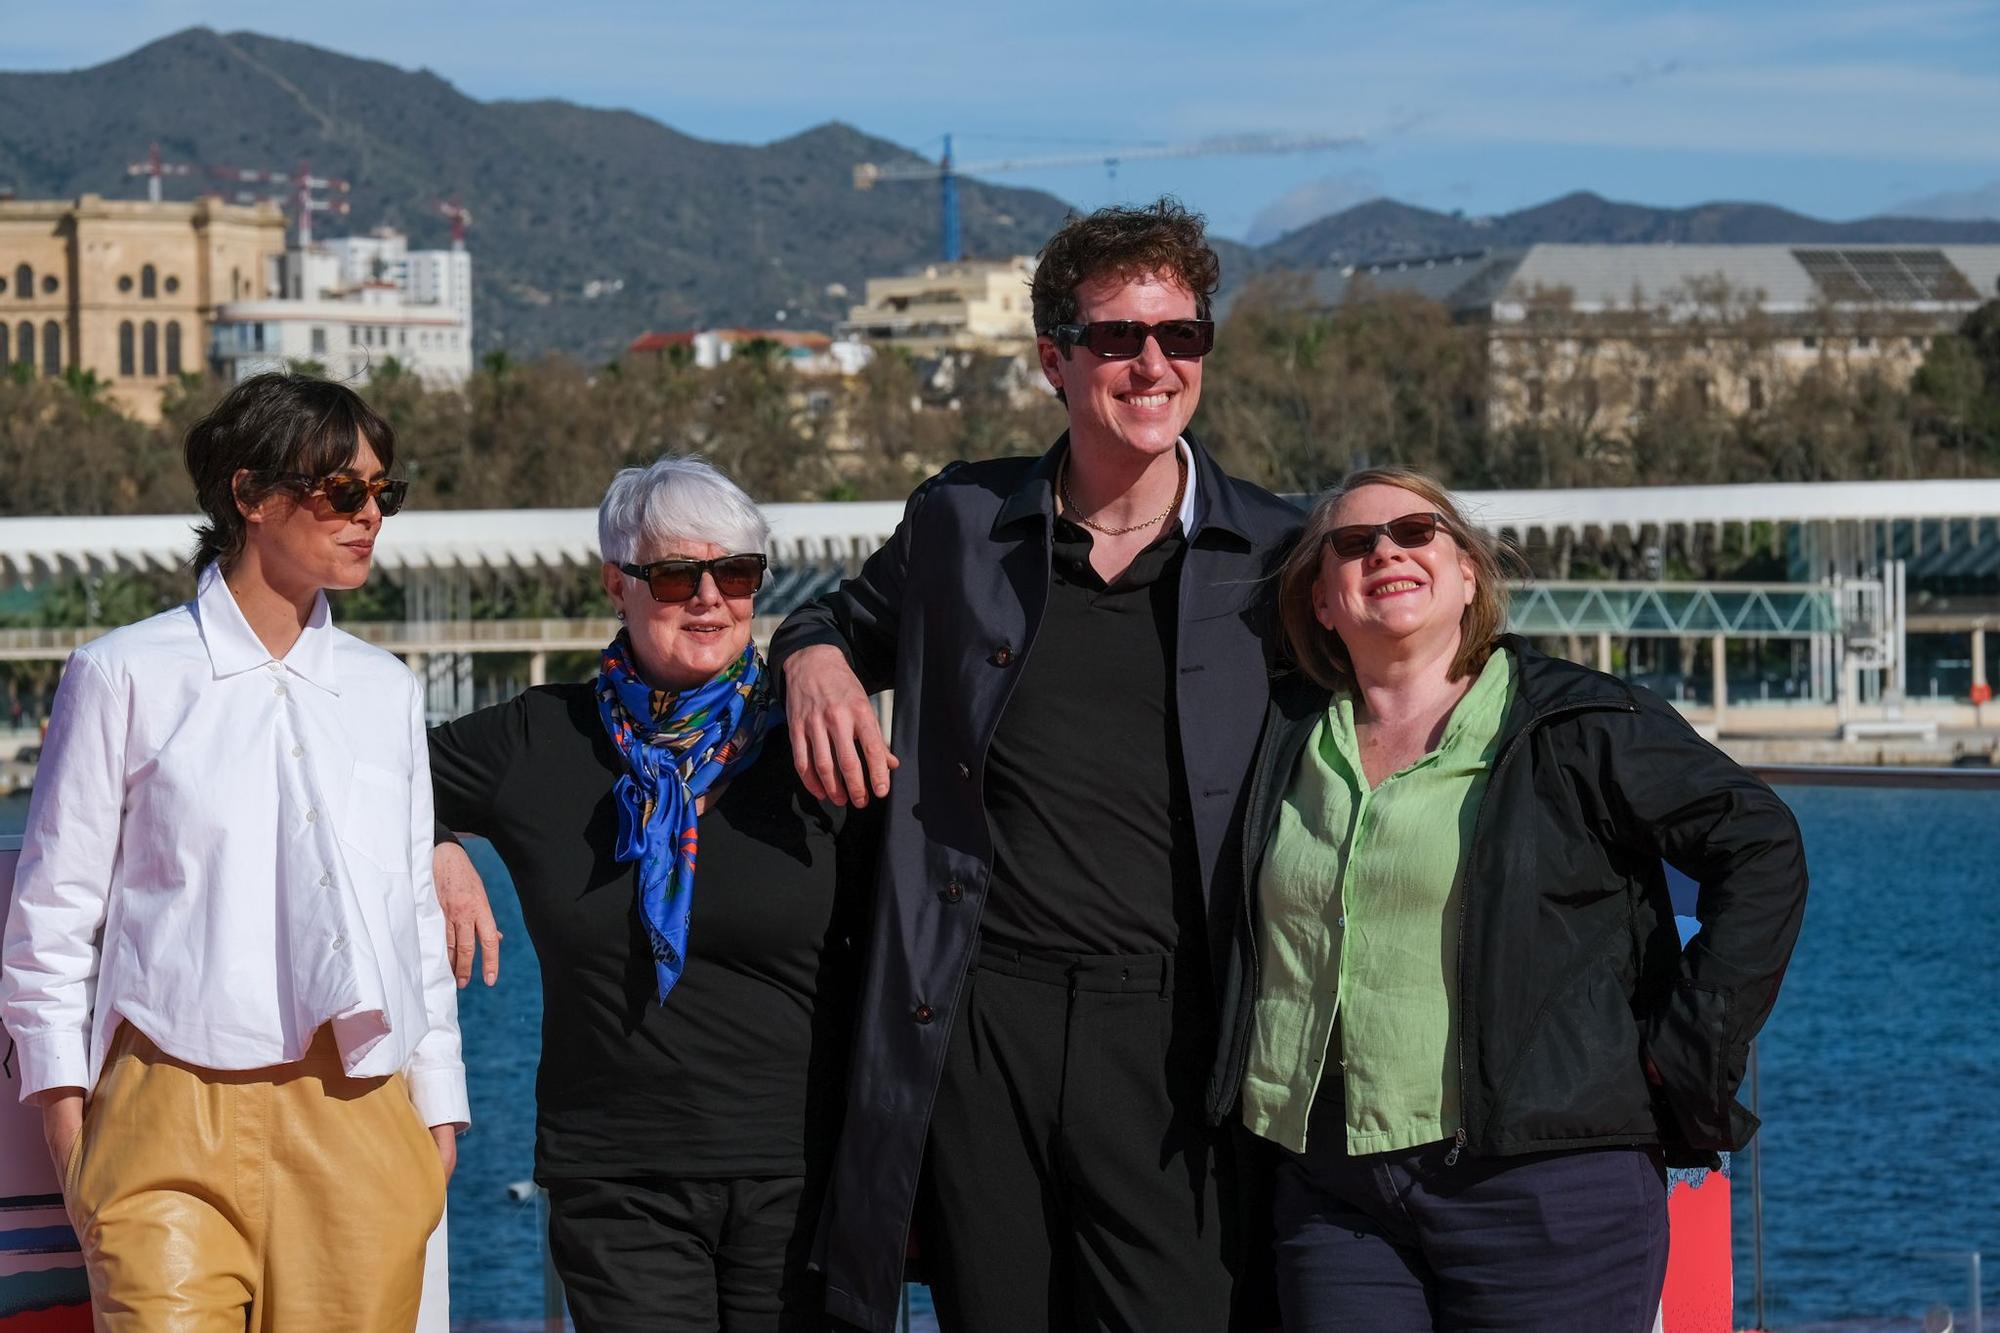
x=1700 y=1296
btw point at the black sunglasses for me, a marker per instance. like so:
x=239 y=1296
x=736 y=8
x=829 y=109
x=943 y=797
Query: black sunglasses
x=346 y=493
x=1123 y=339
x=676 y=579
x=1354 y=540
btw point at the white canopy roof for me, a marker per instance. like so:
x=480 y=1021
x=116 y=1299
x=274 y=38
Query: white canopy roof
x=32 y=549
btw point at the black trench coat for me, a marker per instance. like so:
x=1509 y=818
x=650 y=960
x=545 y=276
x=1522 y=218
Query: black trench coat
x=946 y=613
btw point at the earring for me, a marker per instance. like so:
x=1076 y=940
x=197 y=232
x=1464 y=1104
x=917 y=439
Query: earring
x=620 y=613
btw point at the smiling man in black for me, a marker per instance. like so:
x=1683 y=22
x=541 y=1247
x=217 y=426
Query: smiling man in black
x=1079 y=645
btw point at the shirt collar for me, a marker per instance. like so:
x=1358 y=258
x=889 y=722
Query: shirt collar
x=1034 y=497
x=233 y=647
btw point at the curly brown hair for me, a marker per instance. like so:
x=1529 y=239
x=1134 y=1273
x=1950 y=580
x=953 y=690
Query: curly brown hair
x=1162 y=237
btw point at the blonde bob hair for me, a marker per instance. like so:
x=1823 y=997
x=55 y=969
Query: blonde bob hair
x=1319 y=652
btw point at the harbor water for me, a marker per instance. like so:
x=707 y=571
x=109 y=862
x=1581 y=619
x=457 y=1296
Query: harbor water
x=1880 y=1074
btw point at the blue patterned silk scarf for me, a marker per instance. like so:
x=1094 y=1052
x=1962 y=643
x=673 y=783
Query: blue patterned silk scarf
x=676 y=747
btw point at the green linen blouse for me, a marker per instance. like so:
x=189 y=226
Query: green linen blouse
x=1359 y=935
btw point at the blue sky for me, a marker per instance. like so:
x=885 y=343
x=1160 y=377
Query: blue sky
x=1839 y=108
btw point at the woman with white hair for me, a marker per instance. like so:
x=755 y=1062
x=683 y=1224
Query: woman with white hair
x=690 y=1071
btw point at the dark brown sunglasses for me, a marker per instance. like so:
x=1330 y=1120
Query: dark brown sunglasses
x=1123 y=339
x=1354 y=540
x=346 y=493
x=676 y=579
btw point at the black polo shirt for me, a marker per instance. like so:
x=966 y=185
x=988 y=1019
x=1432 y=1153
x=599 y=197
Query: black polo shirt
x=1085 y=793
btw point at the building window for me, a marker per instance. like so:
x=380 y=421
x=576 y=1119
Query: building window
x=127 y=360
x=353 y=335
x=173 y=347
x=4 y=358
x=235 y=284
x=52 y=348
x=24 y=344
x=319 y=340
x=1809 y=342
x=1864 y=342
x=49 y=284
x=24 y=283
x=1756 y=393
x=149 y=283
x=125 y=282
x=149 y=348
x=173 y=285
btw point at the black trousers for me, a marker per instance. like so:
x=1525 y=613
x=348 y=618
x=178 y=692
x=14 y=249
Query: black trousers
x=677 y=1255
x=1070 y=1183
x=1407 y=1241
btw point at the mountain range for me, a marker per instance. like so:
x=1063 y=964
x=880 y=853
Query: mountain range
x=590 y=226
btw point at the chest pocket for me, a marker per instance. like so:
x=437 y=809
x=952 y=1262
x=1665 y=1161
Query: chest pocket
x=375 y=817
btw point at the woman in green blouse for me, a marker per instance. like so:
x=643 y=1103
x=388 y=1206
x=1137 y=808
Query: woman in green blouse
x=1462 y=1007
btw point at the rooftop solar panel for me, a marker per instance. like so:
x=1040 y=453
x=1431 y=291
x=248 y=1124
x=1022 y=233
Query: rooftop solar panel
x=1886 y=276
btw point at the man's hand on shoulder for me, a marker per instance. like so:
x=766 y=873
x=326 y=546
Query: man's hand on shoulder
x=837 y=744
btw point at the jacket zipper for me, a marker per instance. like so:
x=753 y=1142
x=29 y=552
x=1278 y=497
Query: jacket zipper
x=1532 y=725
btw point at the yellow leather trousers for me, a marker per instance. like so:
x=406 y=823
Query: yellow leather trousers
x=275 y=1200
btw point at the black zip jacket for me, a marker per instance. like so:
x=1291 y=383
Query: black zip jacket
x=1571 y=972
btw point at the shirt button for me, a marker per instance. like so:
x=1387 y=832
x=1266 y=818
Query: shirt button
x=1003 y=654
x=952 y=892
x=312 y=816
x=278 y=690
x=326 y=879
x=924 y=1013
x=298 y=751
x=339 y=943
x=964 y=773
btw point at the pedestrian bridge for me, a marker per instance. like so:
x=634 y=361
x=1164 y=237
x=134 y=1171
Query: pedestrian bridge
x=1850 y=548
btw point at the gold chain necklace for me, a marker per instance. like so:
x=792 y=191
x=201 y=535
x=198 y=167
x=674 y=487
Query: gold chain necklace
x=1076 y=510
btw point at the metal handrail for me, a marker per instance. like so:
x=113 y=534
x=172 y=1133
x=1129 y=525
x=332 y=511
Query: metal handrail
x=1969 y=778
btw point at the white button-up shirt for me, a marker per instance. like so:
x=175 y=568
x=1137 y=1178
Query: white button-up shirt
x=230 y=851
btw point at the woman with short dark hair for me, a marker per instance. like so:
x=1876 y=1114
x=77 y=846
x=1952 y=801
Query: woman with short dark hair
x=224 y=966
x=1461 y=1005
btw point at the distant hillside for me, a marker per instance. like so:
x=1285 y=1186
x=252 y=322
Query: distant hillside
x=561 y=195
x=698 y=232
x=1384 y=229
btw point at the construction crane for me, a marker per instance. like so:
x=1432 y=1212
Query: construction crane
x=154 y=170
x=302 y=186
x=460 y=218
x=945 y=171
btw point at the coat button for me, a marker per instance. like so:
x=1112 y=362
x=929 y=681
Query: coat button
x=1003 y=655
x=964 y=773
x=952 y=892
x=924 y=1013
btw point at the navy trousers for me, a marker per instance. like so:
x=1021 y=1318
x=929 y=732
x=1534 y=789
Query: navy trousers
x=1400 y=1241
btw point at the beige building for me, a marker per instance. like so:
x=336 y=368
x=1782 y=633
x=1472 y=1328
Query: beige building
x=126 y=288
x=1598 y=336
x=977 y=305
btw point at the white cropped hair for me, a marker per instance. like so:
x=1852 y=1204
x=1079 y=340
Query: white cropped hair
x=676 y=499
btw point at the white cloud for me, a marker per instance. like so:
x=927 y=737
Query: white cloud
x=1975 y=205
x=1311 y=202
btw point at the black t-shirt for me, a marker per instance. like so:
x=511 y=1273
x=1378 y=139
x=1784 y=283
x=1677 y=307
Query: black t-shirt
x=741 y=1071
x=1093 y=851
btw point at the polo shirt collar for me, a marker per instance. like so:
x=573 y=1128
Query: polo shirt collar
x=233 y=647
